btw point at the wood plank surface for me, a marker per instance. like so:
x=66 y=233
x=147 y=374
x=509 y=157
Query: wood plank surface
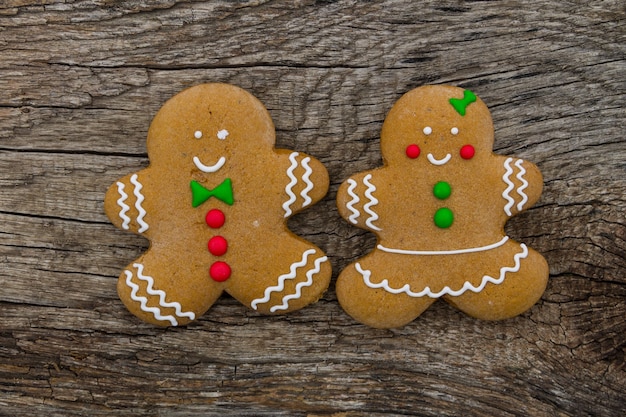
x=80 y=81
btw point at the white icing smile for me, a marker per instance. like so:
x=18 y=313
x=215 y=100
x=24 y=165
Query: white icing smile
x=209 y=168
x=436 y=161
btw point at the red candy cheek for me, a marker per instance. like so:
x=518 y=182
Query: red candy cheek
x=219 y=271
x=215 y=218
x=467 y=152
x=413 y=151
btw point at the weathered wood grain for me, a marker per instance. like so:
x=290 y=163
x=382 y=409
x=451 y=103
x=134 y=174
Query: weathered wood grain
x=79 y=84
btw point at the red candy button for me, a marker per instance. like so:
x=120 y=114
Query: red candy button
x=219 y=271
x=467 y=152
x=215 y=218
x=218 y=245
x=413 y=151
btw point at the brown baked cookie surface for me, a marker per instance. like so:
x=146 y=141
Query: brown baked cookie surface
x=213 y=203
x=438 y=207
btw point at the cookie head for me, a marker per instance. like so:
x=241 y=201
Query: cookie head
x=202 y=126
x=436 y=126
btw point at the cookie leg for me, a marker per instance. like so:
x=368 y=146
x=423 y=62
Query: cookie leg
x=373 y=306
x=292 y=277
x=165 y=291
x=524 y=280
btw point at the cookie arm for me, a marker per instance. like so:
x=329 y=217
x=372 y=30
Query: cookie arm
x=305 y=181
x=356 y=201
x=522 y=184
x=124 y=203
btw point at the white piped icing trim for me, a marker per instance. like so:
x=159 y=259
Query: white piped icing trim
x=309 y=281
x=161 y=294
x=306 y=178
x=436 y=161
x=138 y=206
x=288 y=188
x=209 y=168
x=281 y=279
x=506 y=193
x=355 y=199
x=520 y=189
x=372 y=202
x=143 y=301
x=123 y=206
x=406 y=289
x=445 y=252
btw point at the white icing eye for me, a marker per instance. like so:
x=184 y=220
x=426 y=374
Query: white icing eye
x=427 y=130
x=222 y=134
x=454 y=130
x=198 y=134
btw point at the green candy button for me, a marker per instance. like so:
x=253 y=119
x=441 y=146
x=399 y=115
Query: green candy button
x=442 y=190
x=443 y=218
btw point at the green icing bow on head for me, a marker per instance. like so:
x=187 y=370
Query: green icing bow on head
x=460 y=104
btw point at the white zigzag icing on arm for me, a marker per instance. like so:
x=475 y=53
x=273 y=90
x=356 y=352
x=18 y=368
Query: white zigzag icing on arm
x=506 y=193
x=309 y=275
x=520 y=189
x=142 y=212
x=281 y=279
x=309 y=185
x=384 y=284
x=123 y=206
x=143 y=301
x=294 y=181
x=355 y=199
x=372 y=202
x=162 y=302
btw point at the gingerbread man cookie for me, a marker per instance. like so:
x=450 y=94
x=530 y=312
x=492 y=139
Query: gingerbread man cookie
x=438 y=207
x=214 y=204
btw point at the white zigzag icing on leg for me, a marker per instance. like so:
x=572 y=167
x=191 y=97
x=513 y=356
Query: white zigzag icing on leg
x=309 y=275
x=281 y=279
x=123 y=206
x=520 y=189
x=355 y=199
x=384 y=284
x=289 y=187
x=506 y=193
x=161 y=294
x=143 y=301
x=309 y=185
x=372 y=202
x=142 y=212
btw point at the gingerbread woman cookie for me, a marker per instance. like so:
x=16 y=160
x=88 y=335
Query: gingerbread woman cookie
x=438 y=207
x=214 y=204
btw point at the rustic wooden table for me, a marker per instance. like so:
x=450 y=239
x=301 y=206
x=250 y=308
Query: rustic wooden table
x=80 y=82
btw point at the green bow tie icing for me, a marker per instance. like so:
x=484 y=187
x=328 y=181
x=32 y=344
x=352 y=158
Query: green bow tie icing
x=223 y=192
x=460 y=104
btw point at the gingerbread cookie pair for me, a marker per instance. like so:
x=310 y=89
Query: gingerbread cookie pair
x=216 y=197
